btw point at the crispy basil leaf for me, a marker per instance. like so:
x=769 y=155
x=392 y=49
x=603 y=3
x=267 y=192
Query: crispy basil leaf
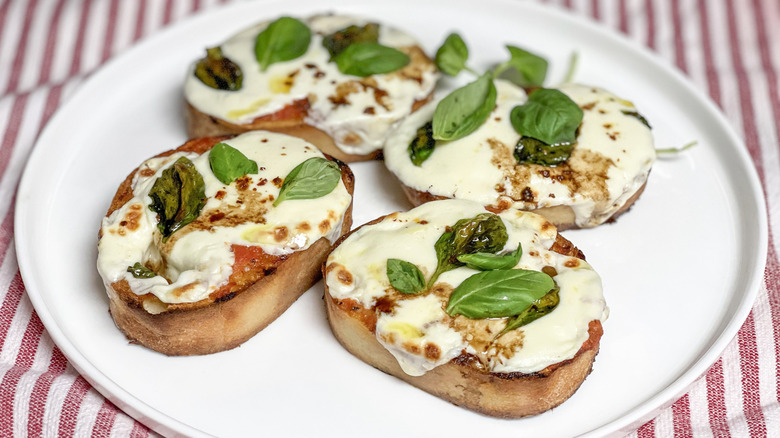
x=523 y=68
x=531 y=150
x=452 y=55
x=484 y=233
x=177 y=195
x=638 y=116
x=336 y=42
x=464 y=110
x=366 y=59
x=217 y=71
x=140 y=271
x=548 y=116
x=538 y=309
x=283 y=40
x=228 y=163
x=498 y=294
x=485 y=261
x=314 y=178
x=405 y=277
x=422 y=145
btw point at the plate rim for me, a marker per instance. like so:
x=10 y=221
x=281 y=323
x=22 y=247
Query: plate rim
x=165 y=424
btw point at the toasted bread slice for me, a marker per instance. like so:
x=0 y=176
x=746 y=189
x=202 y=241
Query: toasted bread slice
x=477 y=363
x=605 y=174
x=220 y=279
x=348 y=117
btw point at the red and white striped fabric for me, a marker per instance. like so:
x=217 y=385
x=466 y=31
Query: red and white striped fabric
x=729 y=48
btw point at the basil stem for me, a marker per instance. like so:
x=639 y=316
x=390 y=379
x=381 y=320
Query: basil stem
x=366 y=59
x=538 y=309
x=464 y=110
x=336 y=42
x=498 y=294
x=217 y=71
x=548 y=116
x=177 y=196
x=228 y=163
x=314 y=178
x=422 y=144
x=484 y=233
x=140 y=271
x=485 y=261
x=452 y=55
x=405 y=277
x=523 y=68
x=283 y=40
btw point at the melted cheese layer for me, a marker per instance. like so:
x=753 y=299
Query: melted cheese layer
x=359 y=123
x=610 y=162
x=418 y=332
x=198 y=258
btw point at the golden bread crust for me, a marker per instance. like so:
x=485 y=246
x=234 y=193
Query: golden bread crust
x=220 y=322
x=462 y=381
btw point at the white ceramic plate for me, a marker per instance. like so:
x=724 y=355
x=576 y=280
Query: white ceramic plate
x=670 y=317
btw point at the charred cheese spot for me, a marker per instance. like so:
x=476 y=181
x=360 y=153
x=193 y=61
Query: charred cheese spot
x=303 y=226
x=344 y=276
x=432 y=351
x=572 y=263
x=324 y=226
x=146 y=172
x=277 y=182
x=280 y=233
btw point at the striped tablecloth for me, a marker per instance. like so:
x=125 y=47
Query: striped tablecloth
x=730 y=49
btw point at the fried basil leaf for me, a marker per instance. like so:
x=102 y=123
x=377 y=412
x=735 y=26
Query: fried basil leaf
x=637 y=116
x=405 y=277
x=338 y=41
x=422 y=145
x=485 y=233
x=538 y=309
x=177 y=195
x=228 y=163
x=314 y=178
x=531 y=150
x=140 y=271
x=217 y=71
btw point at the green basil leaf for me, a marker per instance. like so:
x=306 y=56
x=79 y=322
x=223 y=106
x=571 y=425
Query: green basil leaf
x=140 y=271
x=549 y=116
x=531 y=150
x=484 y=233
x=452 y=55
x=523 y=68
x=177 y=195
x=405 y=277
x=498 y=294
x=422 y=145
x=638 y=116
x=485 y=261
x=338 y=41
x=283 y=40
x=217 y=71
x=366 y=59
x=464 y=110
x=538 y=309
x=228 y=163
x=314 y=178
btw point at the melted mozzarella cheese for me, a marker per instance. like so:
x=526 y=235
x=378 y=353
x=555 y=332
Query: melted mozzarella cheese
x=610 y=162
x=200 y=259
x=420 y=334
x=359 y=123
